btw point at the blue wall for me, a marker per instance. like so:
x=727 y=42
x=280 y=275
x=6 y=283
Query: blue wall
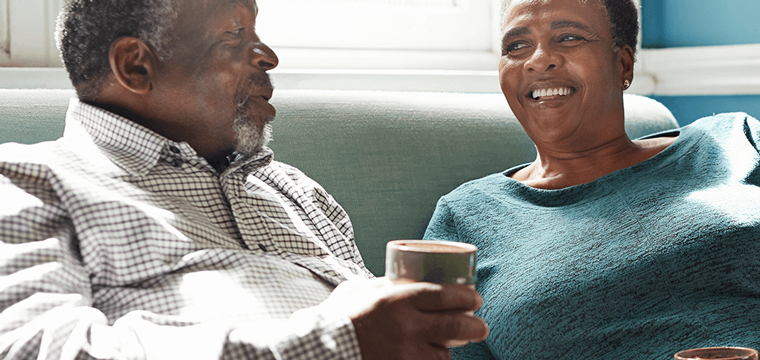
x=674 y=23
x=677 y=23
x=686 y=109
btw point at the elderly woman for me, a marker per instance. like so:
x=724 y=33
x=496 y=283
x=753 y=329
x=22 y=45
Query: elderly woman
x=606 y=247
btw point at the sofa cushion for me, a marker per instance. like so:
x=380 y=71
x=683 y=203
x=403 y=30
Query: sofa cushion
x=385 y=156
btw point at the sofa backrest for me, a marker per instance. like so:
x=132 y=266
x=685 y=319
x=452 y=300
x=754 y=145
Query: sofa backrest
x=385 y=156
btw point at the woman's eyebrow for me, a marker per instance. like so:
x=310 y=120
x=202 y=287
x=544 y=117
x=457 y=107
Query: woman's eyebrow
x=517 y=31
x=563 y=24
x=556 y=25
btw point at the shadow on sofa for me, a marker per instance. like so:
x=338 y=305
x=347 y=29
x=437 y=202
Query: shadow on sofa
x=385 y=156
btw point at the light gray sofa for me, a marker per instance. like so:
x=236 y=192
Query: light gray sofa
x=385 y=156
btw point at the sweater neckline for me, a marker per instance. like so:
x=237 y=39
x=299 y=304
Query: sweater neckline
x=685 y=140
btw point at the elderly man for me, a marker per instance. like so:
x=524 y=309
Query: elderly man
x=159 y=226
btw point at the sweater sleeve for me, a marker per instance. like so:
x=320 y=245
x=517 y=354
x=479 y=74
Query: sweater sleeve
x=752 y=131
x=475 y=351
x=441 y=225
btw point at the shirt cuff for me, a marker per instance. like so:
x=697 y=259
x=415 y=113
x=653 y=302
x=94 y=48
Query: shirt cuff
x=318 y=335
x=309 y=334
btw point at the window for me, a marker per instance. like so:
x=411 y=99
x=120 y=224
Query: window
x=406 y=34
x=27 y=33
x=427 y=45
x=458 y=25
x=381 y=34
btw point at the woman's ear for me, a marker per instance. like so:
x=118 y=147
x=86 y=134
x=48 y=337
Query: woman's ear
x=626 y=62
x=132 y=64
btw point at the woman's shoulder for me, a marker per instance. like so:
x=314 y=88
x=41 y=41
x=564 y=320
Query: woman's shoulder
x=726 y=128
x=723 y=122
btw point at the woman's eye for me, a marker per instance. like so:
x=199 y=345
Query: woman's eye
x=514 y=47
x=570 y=38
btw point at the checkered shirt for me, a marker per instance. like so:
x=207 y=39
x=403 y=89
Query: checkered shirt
x=117 y=243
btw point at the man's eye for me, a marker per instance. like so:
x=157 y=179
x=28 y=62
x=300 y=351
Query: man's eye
x=233 y=37
x=236 y=32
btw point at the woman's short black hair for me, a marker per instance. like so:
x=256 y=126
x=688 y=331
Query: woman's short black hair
x=86 y=29
x=624 y=20
x=624 y=17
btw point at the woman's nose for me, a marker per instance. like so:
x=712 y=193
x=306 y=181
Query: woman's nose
x=543 y=59
x=264 y=57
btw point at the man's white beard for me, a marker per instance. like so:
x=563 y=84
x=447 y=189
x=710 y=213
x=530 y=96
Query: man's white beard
x=250 y=140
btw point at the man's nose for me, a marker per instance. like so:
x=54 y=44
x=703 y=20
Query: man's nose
x=264 y=57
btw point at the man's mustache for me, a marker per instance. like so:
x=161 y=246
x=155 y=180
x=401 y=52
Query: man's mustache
x=248 y=89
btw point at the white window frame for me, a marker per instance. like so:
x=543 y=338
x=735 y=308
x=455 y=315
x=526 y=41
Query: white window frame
x=4 y=31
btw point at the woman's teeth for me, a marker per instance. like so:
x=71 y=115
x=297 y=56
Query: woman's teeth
x=550 y=92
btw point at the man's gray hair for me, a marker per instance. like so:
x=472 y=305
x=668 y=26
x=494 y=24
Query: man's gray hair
x=86 y=29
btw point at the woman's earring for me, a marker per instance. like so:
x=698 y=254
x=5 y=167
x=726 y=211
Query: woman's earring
x=626 y=84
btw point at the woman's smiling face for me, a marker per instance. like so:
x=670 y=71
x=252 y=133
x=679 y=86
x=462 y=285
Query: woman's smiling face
x=559 y=70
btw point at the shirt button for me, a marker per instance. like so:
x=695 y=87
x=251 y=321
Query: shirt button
x=263 y=248
x=176 y=163
x=173 y=149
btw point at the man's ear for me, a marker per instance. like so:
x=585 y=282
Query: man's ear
x=132 y=64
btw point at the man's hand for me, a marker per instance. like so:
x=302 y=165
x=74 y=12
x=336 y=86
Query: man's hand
x=408 y=321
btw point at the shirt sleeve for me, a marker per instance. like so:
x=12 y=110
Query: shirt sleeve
x=308 y=334
x=441 y=225
x=47 y=309
x=342 y=222
x=344 y=246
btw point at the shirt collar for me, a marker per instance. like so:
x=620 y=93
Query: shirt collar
x=134 y=147
x=245 y=165
x=129 y=145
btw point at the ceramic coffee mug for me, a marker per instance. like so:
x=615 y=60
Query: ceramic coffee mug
x=442 y=262
x=715 y=353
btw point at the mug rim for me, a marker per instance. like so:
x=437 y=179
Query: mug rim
x=399 y=244
x=743 y=352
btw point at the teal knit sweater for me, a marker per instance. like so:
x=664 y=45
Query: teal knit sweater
x=639 y=264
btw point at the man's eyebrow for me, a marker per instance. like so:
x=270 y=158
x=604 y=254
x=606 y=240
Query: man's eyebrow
x=571 y=24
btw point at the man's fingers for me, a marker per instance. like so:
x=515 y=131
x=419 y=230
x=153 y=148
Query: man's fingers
x=462 y=327
x=409 y=321
x=435 y=297
x=435 y=352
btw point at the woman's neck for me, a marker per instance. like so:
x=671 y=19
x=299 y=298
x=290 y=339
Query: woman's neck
x=558 y=168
